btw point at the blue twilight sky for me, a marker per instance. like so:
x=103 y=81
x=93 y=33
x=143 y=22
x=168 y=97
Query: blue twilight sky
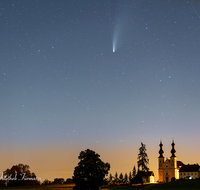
x=64 y=90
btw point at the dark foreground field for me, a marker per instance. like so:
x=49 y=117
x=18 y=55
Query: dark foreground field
x=178 y=185
x=40 y=187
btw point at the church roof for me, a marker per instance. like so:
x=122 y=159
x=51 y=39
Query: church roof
x=190 y=168
x=179 y=164
x=168 y=160
x=146 y=174
x=150 y=173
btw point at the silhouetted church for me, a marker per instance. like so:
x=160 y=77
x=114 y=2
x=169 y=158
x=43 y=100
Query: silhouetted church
x=168 y=169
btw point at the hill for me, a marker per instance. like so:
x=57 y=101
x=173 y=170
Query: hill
x=182 y=184
x=176 y=185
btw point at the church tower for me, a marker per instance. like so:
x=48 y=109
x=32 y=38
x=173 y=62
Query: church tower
x=167 y=169
x=173 y=161
x=160 y=163
x=173 y=156
x=161 y=157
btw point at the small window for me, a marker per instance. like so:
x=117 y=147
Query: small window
x=184 y=173
x=195 y=174
x=191 y=173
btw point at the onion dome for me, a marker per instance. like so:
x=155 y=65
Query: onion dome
x=173 y=151
x=161 y=150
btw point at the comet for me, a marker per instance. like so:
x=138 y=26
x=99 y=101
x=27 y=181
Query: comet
x=195 y=11
x=118 y=23
x=114 y=46
x=115 y=40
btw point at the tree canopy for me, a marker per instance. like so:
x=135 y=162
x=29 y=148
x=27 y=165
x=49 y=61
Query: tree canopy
x=134 y=172
x=143 y=160
x=20 y=175
x=90 y=172
x=58 y=181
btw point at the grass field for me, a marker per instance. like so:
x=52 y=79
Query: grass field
x=40 y=187
x=178 y=185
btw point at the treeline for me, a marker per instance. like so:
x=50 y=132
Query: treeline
x=57 y=181
x=20 y=175
x=88 y=174
x=91 y=171
x=134 y=176
x=122 y=178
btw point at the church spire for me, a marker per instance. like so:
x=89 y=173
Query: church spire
x=173 y=151
x=161 y=150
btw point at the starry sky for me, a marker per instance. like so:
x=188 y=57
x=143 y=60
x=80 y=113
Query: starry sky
x=99 y=74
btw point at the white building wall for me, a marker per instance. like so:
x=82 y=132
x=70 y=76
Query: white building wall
x=193 y=175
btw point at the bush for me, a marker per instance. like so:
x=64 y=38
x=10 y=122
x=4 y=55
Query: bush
x=173 y=179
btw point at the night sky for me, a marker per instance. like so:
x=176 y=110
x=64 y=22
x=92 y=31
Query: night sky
x=99 y=74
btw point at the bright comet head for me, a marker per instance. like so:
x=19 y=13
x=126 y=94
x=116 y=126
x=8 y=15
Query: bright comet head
x=113 y=49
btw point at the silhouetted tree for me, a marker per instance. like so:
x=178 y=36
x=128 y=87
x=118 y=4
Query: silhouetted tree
x=173 y=179
x=143 y=160
x=46 y=182
x=121 y=178
x=110 y=178
x=69 y=180
x=116 y=177
x=105 y=181
x=90 y=172
x=125 y=178
x=138 y=178
x=2 y=183
x=20 y=175
x=58 y=181
x=129 y=177
x=134 y=172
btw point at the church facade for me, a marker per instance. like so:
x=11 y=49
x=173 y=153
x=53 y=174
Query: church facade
x=168 y=169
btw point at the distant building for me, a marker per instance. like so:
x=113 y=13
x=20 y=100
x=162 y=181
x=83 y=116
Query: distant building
x=148 y=177
x=169 y=168
x=189 y=171
x=143 y=177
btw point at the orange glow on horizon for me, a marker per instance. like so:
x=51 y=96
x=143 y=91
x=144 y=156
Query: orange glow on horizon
x=50 y=163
